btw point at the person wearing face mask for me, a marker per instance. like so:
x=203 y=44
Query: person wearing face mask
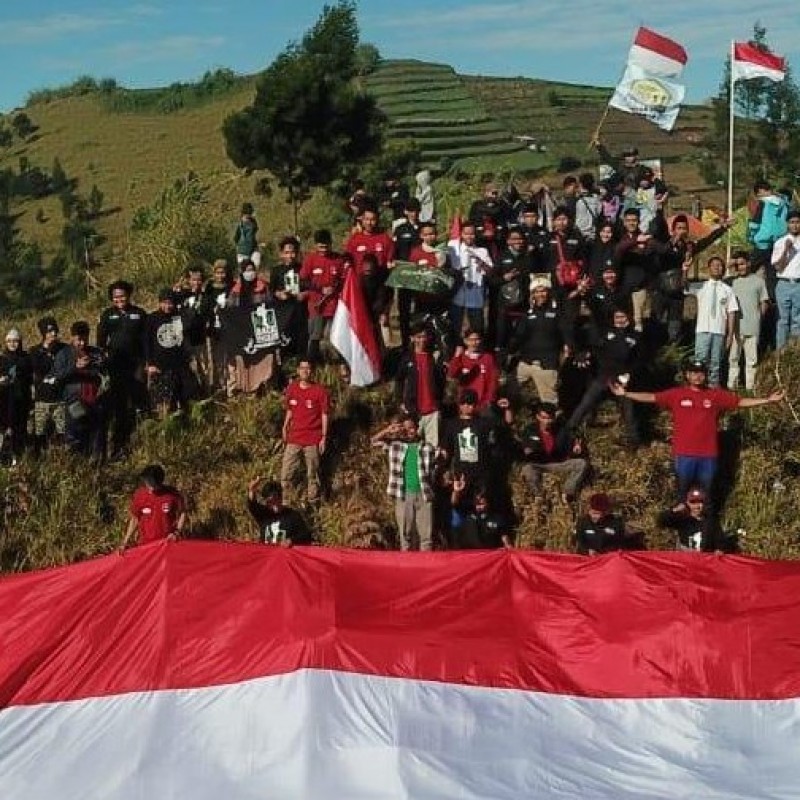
x=16 y=378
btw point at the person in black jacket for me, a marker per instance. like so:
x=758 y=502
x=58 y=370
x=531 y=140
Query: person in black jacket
x=284 y=284
x=166 y=356
x=277 y=523
x=511 y=279
x=195 y=311
x=406 y=235
x=547 y=445
x=542 y=339
x=473 y=522
x=48 y=409
x=536 y=236
x=121 y=337
x=616 y=356
x=420 y=384
x=600 y=530
x=636 y=257
x=696 y=527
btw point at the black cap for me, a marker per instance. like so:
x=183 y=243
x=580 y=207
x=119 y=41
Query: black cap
x=468 y=397
x=412 y=204
x=166 y=294
x=323 y=237
x=695 y=365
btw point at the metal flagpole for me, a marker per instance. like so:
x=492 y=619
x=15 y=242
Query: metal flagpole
x=730 y=157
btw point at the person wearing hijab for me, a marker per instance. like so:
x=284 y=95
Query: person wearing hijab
x=16 y=379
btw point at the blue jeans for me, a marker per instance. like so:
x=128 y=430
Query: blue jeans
x=694 y=471
x=787 y=298
x=709 y=347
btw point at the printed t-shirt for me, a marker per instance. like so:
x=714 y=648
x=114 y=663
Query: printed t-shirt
x=156 y=513
x=307 y=406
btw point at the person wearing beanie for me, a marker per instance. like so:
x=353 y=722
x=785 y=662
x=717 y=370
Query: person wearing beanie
x=600 y=530
x=15 y=394
x=49 y=419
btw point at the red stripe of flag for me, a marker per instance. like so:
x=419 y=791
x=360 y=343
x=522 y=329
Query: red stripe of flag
x=747 y=53
x=200 y=614
x=665 y=47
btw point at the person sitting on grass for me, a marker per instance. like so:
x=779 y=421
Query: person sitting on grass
x=474 y=524
x=157 y=511
x=697 y=529
x=277 y=523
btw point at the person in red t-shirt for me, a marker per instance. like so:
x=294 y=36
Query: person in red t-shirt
x=472 y=368
x=157 y=511
x=305 y=429
x=370 y=240
x=320 y=284
x=695 y=410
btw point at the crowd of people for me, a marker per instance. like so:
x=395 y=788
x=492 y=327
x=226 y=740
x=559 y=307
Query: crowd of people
x=553 y=304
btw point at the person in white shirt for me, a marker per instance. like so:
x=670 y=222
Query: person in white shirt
x=716 y=319
x=473 y=263
x=786 y=260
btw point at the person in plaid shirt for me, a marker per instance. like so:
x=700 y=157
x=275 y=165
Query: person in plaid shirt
x=411 y=471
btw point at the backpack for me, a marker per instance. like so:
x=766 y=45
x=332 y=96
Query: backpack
x=772 y=225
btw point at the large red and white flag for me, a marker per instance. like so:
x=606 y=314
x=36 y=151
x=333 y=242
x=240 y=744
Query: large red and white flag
x=749 y=62
x=353 y=334
x=650 y=85
x=207 y=670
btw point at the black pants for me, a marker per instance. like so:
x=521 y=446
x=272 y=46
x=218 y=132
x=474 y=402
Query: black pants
x=126 y=393
x=596 y=392
x=668 y=308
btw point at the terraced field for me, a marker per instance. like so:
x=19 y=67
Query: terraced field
x=430 y=104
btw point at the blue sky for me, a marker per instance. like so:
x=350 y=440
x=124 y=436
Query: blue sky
x=149 y=43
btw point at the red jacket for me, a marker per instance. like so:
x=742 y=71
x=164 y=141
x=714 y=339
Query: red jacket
x=317 y=273
x=380 y=244
x=480 y=374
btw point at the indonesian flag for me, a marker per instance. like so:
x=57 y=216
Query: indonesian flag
x=353 y=334
x=205 y=670
x=749 y=62
x=650 y=85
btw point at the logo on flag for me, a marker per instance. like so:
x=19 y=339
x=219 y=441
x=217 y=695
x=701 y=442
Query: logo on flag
x=650 y=86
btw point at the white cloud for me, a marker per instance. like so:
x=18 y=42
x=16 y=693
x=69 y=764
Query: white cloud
x=168 y=48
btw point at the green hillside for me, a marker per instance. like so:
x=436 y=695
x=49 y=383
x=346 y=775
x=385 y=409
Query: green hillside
x=430 y=104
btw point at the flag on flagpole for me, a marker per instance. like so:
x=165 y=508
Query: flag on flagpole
x=650 y=86
x=749 y=62
x=210 y=670
x=353 y=334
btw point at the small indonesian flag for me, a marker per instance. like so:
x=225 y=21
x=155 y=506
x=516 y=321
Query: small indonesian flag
x=657 y=54
x=353 y=334
x=749 y=62
x=651 y=85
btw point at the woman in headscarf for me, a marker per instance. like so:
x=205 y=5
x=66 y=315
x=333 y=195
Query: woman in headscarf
x=16 y=379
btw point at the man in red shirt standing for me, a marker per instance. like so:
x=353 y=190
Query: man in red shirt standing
x=370 y=240
x=158 y=511
x=320 y=283
x=695 y=410
x=305 y=429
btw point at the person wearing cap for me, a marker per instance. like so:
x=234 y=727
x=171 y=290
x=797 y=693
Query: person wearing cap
x=412 y=465
x=49 y=414
x=420 y=382
x=471 y=367
x=600 y=530
x=121 y=336
x=157 y=511
x=543 y=338
x=697 y=529
x=321 y=279
x=245 y=237
x=695 y=409
x=167 y=356
x=81 y=372
x=547 y=446
x=786 y=263
x=277 y=523
x=717 y=310
x=16 y=379
x=469 y=442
